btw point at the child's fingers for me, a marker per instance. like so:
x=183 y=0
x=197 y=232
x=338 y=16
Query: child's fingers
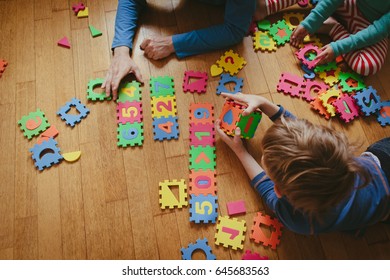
x=236 y=96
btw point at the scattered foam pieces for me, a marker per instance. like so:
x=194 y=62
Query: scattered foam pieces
x=83 y=13
x=64 y=42
x=94 y=32
x=72 y=156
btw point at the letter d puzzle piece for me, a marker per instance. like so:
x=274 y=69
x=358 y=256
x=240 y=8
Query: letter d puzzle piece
x=258 y=235
x=168 y=199
x=33 y=124
x=201 y=244
x=230 y=232
x=46 y=154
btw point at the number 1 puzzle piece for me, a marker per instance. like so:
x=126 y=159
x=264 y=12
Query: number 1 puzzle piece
x=248 y=124
x=263 y=41
x=258 y=235
x=33 y=124
x=168 y=199
x=195 y=81
x=231 y=62
x=230 y=232
x=46 y=154
x=202 y=135
x=280 y=32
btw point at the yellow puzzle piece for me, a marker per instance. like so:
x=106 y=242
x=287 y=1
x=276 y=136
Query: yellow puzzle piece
x=72 y=156
x=263 y=41
x=231 y=62
x=83 y=13
x=168 y=199
x=230 y=232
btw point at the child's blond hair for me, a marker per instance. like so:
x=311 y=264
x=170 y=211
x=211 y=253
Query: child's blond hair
x=313 y=166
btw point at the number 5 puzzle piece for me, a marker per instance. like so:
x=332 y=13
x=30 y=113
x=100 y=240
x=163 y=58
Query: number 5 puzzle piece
x=168 y=199
x=129 y=112
x=203 y=208
x=230 y=232
x=33 y=124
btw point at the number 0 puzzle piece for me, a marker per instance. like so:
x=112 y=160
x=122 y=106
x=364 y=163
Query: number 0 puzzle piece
x=263 y=41
x=33 y=124
x=231 y=62
x=201 y=244
x=203 y=182
x=258 y=235
x=230 y=232
x=168 y=199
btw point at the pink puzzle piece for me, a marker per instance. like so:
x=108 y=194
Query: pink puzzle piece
x=64 y=42
x=253 y=256
x=315 y=87
x=200 y=83
x=290 y=84
x=236 y=207
x=301 y=55
x=347 y=108
x=129 y=112
x=78 y=7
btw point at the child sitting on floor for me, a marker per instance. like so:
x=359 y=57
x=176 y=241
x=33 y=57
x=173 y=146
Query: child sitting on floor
x=309 y=176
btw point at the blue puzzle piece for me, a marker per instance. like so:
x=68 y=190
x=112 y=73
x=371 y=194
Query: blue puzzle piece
x=309 y=74
x=384 y=114
x=71 y=119
x=46 y=154
x=201 y=244
x=203 y=208
x=368 y=101
x=225 y=79
x=165 y=128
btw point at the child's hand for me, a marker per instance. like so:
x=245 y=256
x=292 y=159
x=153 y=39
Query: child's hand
x=253 y=101
x=297 y=36
x=235 y=142
x=326 y=55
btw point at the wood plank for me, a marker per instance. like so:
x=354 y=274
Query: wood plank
x=26 y=238
x=42 y=9
x=333 y=246
x=168 y=238
x=7 y=254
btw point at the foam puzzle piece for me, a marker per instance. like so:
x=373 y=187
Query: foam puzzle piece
x=203 y=182
x=248 y=124
x=129 y=111
x=302 y=53
x=368 y=100
x=229 y=79
x=230 y=115
x=264 y=25
x=280 y=32
x=163 y=106
x=202 y=135
x=201 y=244
x=200 y=83
x=46 y=154
x=383 y=116
x=92 y=94
x=33 y=124
x=253 y=256
x=78 y=7
x=309 y=73
x=315 y=87
x=202 y=158
x=94 y=31
x=350 y=82
x=203 y=208
x=72 y=156
x=165 y=128
x=64 y=42
x=258 y=235
x=236 y=207
x=83 y=13
x=346 y=106
x=231 y=62
x=130 y=134
x=201 y=113
x=162 y=86
x=316 y=104
x=290 y=84
x=215 y=70
x=129 y=91
x=230 y=232
x=303 y=3
x=168 y=199
x=329 y=73
x=312 y=39
x=3 y=65
x=71 y=119
x=263 y=41
x=289 y=16
x=327 y=98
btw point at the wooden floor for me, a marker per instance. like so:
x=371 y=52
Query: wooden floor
x=105 y=206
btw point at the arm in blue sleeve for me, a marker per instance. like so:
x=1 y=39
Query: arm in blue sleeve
x=319 y=14
x=237 y=19
x=280 y=112
x=374 y=33
x=265 y=187
x=126 y=22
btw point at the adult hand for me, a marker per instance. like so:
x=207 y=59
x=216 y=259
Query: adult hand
x=158 y=47
x=326 y=55
x=252 y=101
x=235 y=142
x=121 y=65
x=297 y=36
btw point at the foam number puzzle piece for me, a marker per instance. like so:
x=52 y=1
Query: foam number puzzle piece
x=163 y=106
x=383 y=116
x=309 y=73
x=78 y=7
x=165 y=128
x=72 y=156
x=263 y=41
x=346 y=106
x=33 y=124
x=3 y=64
x=248 y=124
x=198 y=85
x=350 y=82
x=203 y=208
x=92 y=94
x=264 y=25
x=316 y=104
x=202 y=135
x=162 y=86
x=229 y=79
x=130 y=134
x=368 y=101
x=302 y=55
x=201 y=244
x=168 y=199
x=83 y=13
x=313 y=87
x=201 y=113
x=290 y=84
x=71 y=119
x=230 y=115
x=129 y=112
x=64 y=42
x=202 y=158
x=253 y=256
x=51 y=132
x=230 y=232
x=280 y=32
x=297 y=17
x=203 y=182
x=231 y=62
x=236 y=207
x=259 y=236
x=94 y=31
x=129 y=91
x=327 y=98
x=46 y=154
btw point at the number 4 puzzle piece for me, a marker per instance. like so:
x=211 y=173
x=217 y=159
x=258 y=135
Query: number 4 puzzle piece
x=168 y=199
x=165 y=128
x=230 y=232
x=258 y=235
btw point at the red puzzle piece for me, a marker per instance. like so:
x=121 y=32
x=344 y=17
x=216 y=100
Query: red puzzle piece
x=259 y=236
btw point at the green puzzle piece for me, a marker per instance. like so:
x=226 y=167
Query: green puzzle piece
x=94 y=32
x=264 y=25
x=248 y=124
x=129 y=91
x=162 y=86
x=280 y=32
x=33 y=124
x=130 y=134
x=345 y=76
x=92 y=95
x=202 y=158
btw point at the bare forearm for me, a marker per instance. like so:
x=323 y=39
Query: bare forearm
x=251 y=166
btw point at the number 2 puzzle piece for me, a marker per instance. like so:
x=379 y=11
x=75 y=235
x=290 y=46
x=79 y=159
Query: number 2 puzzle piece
x=280 y=32
x=129 y=91
x=302 y=55
x=229 y=79
x=384 y=114
x=203 y=208
x=202 y=135
x=230 y=115
x=168 y=199
x=195 y=81
x=201 y=113
x=162 y=86
x=201 y=244
x=230 y=232
x=347 y=108
x=92 y=94
x=258 y=235
x=165 y=128
x=71 y=119
x=231 y=62
x=130 y=134
x=203 y=182
x=368 y=101
x=163 y=106
x=46 y=154
x=33 y=124
x=263 y=41
x=248 y=124
x=129 y=112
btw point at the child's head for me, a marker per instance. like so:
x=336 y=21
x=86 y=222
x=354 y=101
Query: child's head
x=313 y=166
